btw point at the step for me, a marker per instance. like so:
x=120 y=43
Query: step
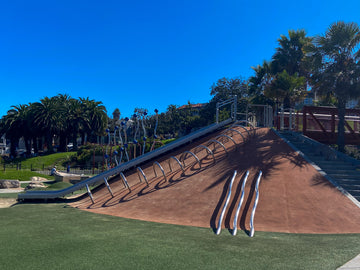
x=342 y=172
x=355 y=193
x=338 y=166
x=348 y=181
x=332 y=163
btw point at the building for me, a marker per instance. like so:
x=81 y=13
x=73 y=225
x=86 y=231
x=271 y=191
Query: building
x=195 y=108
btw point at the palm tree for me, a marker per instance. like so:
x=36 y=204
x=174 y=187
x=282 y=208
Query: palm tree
x=47 y=117
x=63 y=101
x=15 y=125
x=96 y=116
x=289 y=55
x=336 y=67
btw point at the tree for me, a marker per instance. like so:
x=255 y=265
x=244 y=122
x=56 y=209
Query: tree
x=334 y=58
x=15 y=125
x=47 y=116
x=286 y=88
x=95 y=113
x=289 y=55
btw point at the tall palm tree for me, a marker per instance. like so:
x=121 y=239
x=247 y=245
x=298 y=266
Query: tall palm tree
x=335 y=57
x=15 y=125
x=289 y=55
x=97 y=120
x=47 y=116
x=63 y=101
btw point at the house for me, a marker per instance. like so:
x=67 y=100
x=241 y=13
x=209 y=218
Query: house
x=195 y=108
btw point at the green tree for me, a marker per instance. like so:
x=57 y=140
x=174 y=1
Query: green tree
x=334 y=58
x=15 y=124
x=96 y=116
x=290 y=54
x=47 y=116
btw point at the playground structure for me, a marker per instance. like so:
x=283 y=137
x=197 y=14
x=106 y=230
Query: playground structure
x=186 y=182
x=122 y=167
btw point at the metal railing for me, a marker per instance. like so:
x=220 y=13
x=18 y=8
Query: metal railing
x=125 y=166
x=252 y=229
x=218 y=231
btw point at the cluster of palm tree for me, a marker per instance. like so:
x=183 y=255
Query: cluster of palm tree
x=59 y=119
x=328 y=65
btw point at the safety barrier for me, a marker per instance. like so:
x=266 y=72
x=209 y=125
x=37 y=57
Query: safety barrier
x=252 y=229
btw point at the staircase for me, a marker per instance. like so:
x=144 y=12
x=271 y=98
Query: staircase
x=340 y=169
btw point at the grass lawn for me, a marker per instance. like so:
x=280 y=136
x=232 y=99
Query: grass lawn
x=21 y=175
x=55 y=236
x=47 y=160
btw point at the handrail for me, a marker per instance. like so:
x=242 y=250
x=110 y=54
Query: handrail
x=125 y=182
x=178 y=161
x=226 y=136
x=108 y=187
x=139 y=170
x=240 y=203
x=182 y=157
x=161 y=168
x=247 y=122
x=37 y=194
x=252 y=230
x=207 y=150
x=238 y=132
x=218 y=231
x=89 y=192
x=235 y=125
x=216 y=141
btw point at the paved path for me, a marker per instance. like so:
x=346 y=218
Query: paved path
x=354 y=264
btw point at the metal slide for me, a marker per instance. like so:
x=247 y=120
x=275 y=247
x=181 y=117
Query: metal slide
x=123 y=167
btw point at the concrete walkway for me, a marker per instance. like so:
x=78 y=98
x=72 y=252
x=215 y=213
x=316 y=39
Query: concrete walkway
x=354 y=264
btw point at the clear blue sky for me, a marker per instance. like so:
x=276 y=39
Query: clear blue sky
x=146 y=54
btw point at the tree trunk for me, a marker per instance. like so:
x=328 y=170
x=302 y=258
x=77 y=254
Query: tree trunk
x=13 y=144
x=35 y=143
x=62 y=145
x=27 y=146
x=341 y=125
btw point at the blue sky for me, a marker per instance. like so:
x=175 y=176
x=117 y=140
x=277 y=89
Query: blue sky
x=146 y=54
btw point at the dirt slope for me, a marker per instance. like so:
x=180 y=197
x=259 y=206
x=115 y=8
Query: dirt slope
x=294 y=197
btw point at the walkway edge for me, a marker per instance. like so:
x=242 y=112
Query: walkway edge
x=316 y=167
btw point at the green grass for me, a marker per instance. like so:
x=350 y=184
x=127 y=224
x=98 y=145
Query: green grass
x=8 y=195
x=55 y=236
x=47 y=161
x=22 y=175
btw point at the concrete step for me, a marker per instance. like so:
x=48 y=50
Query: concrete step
x=332 y=163
x=348 y=181
x=342 y=172
x=355 y=193
x=346 y=167
x=344 y=176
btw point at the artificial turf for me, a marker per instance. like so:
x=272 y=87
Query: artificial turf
x=56 y=236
